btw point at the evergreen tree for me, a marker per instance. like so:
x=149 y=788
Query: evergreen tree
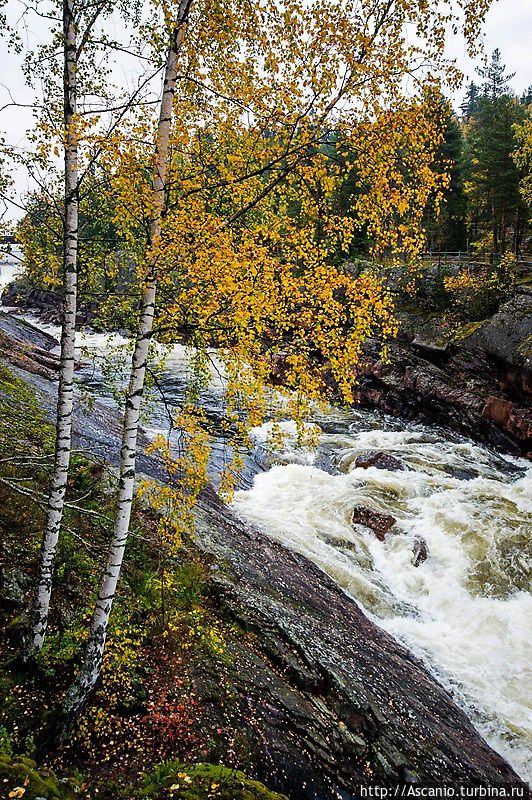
x=495 y=81
x=447 y=231
x=526 y=97
x=469 y=102
x=491 y=173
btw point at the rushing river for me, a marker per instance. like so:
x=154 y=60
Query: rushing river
x=466 y=610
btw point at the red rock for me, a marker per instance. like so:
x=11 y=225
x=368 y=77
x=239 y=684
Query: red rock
x=379 y=523
x=498 y=410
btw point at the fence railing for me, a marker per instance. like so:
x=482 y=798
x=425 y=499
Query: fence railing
x=462 y=256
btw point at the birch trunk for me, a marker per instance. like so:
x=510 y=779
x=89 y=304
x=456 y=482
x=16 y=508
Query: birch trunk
x=93 y=656
x=63 y=441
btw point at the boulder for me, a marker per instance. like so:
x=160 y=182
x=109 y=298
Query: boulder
x=380 y=460
x=507 y=336
x=376 y=521
x=420 y=552
x=434 y=339
x=13 y=587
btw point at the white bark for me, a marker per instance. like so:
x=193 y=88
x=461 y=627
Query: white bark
x=93 y=656
x=63 y=442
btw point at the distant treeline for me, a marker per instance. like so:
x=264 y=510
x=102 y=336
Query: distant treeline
x=484 y=208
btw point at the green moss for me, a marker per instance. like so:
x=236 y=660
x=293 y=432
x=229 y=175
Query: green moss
x=201 y=781
x=463 y=331
x=22 y=423
x=20 y=777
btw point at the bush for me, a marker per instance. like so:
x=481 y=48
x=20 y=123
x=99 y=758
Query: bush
x=477 y=295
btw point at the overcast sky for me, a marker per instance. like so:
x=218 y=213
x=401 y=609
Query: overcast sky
x=508 y=26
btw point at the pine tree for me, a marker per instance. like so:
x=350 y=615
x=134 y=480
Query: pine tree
x=495 y=81
x=469 y=102
x=492 y=175
x=526 y=97
x=447 y=230
x=523 y=158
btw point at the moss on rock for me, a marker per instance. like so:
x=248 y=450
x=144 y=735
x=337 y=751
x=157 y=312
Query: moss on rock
x=201 y=781
x=21 y=778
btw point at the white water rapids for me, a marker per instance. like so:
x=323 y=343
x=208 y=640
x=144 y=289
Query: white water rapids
x=466 y=611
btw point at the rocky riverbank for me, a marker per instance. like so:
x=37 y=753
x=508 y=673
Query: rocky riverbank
x=479 y=384
x=324 y=700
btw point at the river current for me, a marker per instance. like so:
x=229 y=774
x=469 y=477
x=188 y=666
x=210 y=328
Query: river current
x=466 y=610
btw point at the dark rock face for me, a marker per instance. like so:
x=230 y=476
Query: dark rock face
x=480 y=386
x=379 y=460
x=379 y=523
x=467 y=392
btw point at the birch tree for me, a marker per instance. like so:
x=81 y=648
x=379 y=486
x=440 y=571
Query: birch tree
x=65 y=393
x=98 y=631
x=279 y=79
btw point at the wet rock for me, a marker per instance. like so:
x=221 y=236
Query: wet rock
x=22 y=331
x=379 y=460
x=27 y=363
x=13 y=587
x=420 y=551
x=498 y=410
x=44 y=303
x=342 y=693
x=378 y=522
x=506 y=336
